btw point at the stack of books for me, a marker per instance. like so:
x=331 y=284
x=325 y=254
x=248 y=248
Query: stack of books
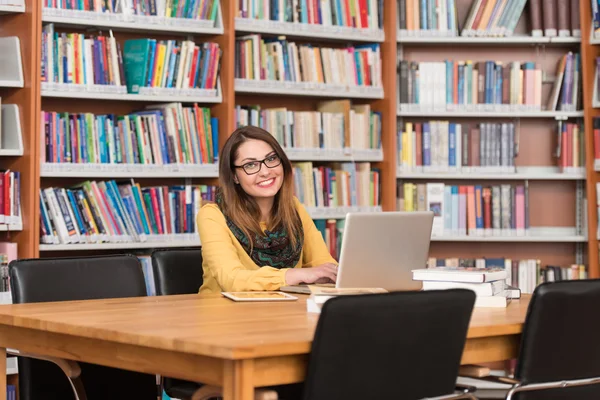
x=489 y=284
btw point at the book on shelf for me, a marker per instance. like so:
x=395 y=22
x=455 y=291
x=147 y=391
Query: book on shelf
x=11 y=392
x=278 y=60
x=192 y=9
x=554 y=18
x=332 y=231
x=336 y=184
x=566 y=91
x=493 y=18
x=473 y=85
x=447 y=146
x=143 y=66
x=10 y=197
x=473 y=210
x=73 y=58
x=570 y=150
x=146 y=261
x=427 y=17
x=362 y=14
x=170 y=64
x=107 y=211
x=596 y=132
x=336 y=125
x=158 y=135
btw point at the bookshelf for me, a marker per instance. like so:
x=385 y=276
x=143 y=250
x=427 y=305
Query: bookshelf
x=551 y=233
x=589 y=52
x=25 y=96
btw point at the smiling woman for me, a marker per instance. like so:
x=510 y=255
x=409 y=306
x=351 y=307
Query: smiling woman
x=258 y=236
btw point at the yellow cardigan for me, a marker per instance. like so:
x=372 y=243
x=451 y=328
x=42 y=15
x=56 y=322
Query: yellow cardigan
x=227 y=266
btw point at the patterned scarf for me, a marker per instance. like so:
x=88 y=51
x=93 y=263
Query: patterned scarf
x=273 y=249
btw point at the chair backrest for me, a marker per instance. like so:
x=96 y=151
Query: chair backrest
x=78 y=278
x=561 y=339
x=177 y=271
x=403 y=345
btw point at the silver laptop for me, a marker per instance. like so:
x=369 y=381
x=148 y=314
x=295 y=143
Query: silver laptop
x=380 y=249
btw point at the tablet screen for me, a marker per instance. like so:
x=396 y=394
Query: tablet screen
x=258 y=296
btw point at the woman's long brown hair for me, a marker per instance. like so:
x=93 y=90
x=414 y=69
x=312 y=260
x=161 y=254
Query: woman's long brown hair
x=241 y=208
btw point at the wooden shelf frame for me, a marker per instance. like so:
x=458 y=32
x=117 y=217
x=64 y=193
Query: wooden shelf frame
x=589 y=52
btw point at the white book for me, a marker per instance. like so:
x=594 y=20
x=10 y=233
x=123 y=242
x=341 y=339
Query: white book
x=459 y=274
x=481 y=289
x=500 y=300
x=435 y=203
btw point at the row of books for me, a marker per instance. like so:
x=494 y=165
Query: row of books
x=332 y=231
x=160 y=134
x=421 y=17
x=337 y=185
x=495 y=281
x=8 y=253
x=337 y=124
x=170 y=64
x=515 y=85
x=73 y=58
x=444 y=146
x=522 y=274
x=554 y=18
x=192 y=9
x=517 y=270
x=10 y=197
x=571 y=144
x=116 y=212
x=274 y=59
x=474 y=210
x=493 y=18
x=365 y=14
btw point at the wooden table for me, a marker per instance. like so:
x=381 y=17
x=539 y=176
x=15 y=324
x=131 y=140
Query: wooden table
x=207 y=339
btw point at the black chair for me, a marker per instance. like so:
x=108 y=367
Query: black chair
x=402 y=345
x=559 y=356
x=62 y=279
x=177 y=271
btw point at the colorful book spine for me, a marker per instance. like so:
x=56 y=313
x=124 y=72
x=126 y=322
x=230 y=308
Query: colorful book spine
x=159 y=135
x=336 y=185
x=73 y=58
x=427 y=18
x=190 y=9
x=363 y=14
x=171 y=64
x=107 y=211
x=473 y=210
x=443 y=146
x=317 y=129
x=280 y=60
x=468 y=85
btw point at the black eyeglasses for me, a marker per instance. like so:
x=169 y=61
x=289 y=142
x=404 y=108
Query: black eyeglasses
x=253 y=167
